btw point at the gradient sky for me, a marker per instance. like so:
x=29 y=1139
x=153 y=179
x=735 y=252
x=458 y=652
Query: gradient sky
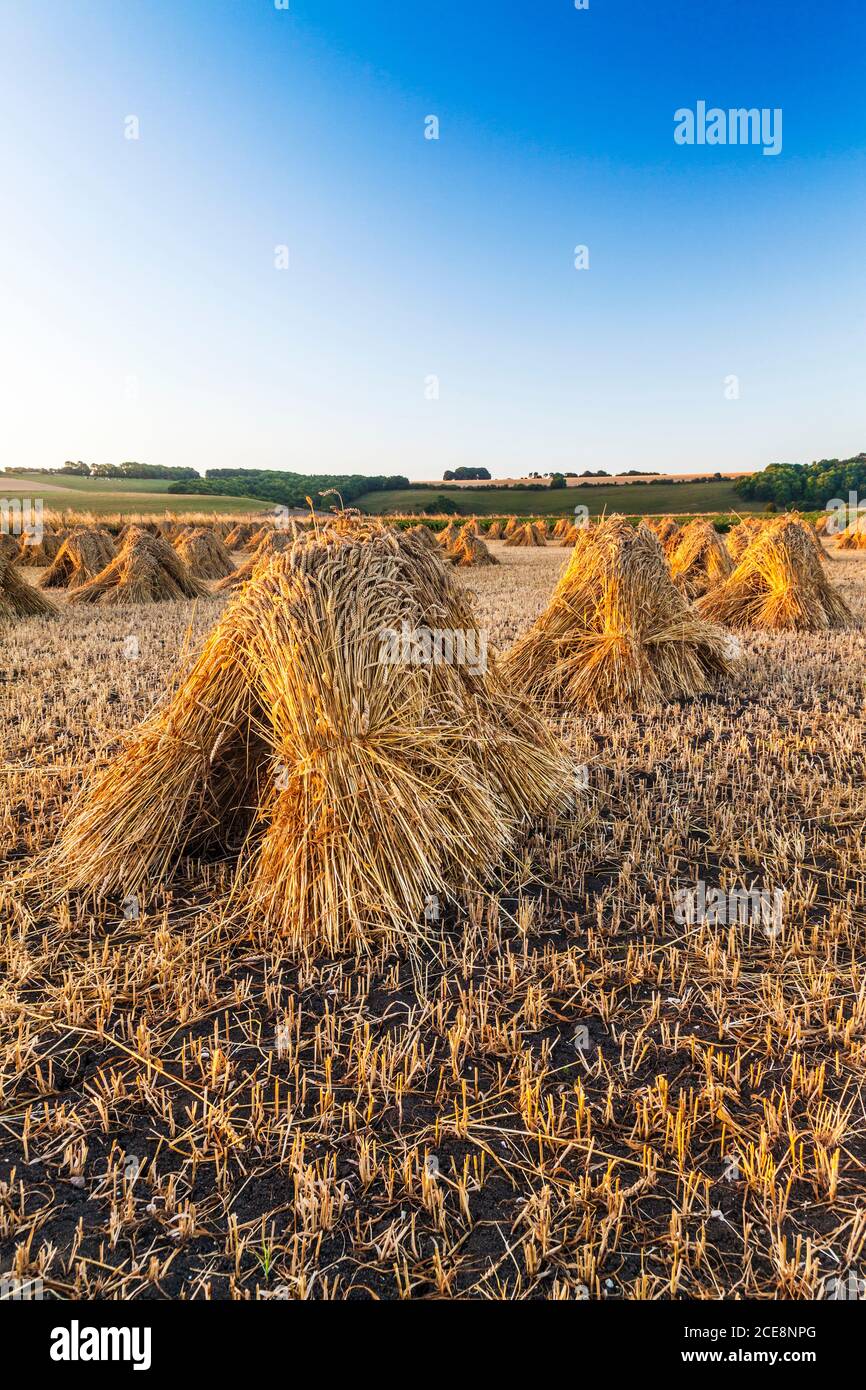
x=142 y=316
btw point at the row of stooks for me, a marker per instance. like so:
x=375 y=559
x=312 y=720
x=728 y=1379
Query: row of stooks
x=141 y=566
x=349 y=790
x=150 y=563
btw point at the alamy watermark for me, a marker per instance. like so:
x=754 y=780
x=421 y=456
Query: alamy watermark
x=14 y=1289
x=434 y=646
x=737 y=126
x=77 y=1343
x=844 y=514
x=22 y=516
x=716 y=907
x=847 y=1286
x=131 y=907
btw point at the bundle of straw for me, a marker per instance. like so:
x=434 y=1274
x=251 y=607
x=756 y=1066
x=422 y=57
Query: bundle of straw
x=259 y=534
x=540 y=529
x=84 y=554
x=368 y=783
x=447 y=536
x=854 y=535
x=469 y=549
x=810 y=532
x=423 y=534
x=494 y=530
x=510 y=527
x=665 y=528
x=9 y=546
x=150 y=528
x=272 y=543
x=779 y=585
x=204 y=554
x=525 y=536
x=144 y=570
x=562 y=526
x=617 y=631
x=239 y=535
x=740 y=537
x=18 y=599
x=42 y=553
x=698 y=560
x=569 y=535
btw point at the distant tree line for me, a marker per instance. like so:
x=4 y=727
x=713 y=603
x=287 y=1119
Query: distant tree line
x=807 y=484
x=80 y=469
x=558 y=480
x=287 y=489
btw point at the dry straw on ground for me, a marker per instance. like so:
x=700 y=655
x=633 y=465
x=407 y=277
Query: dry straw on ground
x=18 y=599
x=698 y=559
x=778 y=585
x=369 y=781
x=617 y=631
x=204 y=554
x=82 y=556
x=144 y=570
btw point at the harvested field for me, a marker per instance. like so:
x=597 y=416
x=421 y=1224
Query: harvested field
x=563 y=1089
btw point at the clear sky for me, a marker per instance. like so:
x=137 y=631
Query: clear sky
x=142 y=315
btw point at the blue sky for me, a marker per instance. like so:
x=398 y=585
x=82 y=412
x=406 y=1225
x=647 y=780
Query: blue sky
x=142 y=315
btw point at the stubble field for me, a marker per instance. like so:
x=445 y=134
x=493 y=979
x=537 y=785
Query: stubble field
x=562 y=1091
